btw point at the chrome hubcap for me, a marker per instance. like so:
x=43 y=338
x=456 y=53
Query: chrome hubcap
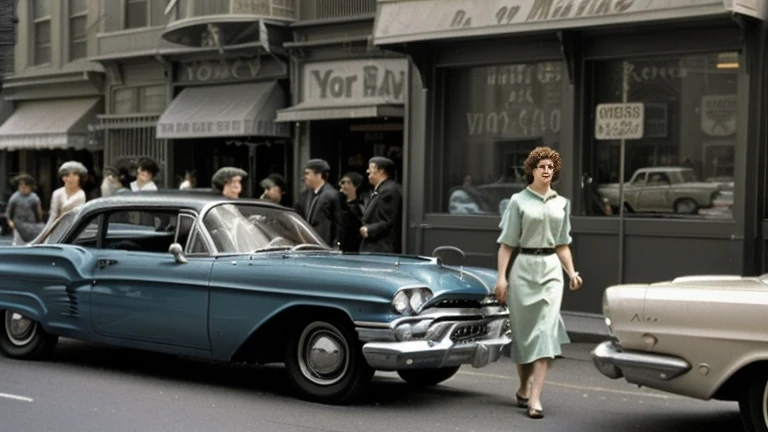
x=323 y=354
x=20 y=329
x=686 y=207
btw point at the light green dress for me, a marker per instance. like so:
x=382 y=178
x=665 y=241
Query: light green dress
x=535 y=281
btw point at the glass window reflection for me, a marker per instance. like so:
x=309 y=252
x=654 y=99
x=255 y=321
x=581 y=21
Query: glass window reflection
x=683 y=166
x=494 y=117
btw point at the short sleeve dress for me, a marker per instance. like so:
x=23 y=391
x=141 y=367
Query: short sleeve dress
x=536 y=281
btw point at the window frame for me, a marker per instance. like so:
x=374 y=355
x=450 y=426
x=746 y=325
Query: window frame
x=34 y=46
x=136 y=98
x=147 y=14
x=71 y=17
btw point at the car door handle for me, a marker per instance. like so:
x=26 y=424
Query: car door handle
x=104 y=263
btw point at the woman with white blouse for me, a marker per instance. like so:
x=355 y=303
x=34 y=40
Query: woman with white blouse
x=71 y=195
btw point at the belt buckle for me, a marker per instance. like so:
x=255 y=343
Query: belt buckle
x=538 y=251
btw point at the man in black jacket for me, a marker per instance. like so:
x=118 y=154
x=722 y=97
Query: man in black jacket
x=320 y=203
x=382 y=220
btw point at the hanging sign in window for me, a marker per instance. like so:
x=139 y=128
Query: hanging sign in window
x=615 y=121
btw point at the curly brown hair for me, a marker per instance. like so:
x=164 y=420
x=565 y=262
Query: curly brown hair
x=537 y=155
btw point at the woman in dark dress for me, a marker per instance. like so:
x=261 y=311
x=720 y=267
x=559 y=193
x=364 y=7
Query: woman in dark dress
x=352 y=211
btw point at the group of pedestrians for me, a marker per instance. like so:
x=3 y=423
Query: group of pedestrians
x=341 y=217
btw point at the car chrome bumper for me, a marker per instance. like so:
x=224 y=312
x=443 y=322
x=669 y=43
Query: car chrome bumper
x=446 y=343
x=614 y=363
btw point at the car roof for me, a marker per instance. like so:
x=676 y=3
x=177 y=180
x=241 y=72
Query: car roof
x=195 y=200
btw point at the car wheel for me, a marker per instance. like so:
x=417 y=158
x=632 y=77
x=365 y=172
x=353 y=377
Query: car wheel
x=24 y=338
x=753 y=405
x=325 y=362
x=686 y=206
x=427 y=377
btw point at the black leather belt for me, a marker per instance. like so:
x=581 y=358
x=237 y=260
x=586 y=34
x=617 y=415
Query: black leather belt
x=540 y=251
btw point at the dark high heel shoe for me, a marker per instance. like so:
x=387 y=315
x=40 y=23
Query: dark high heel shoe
x=521 y=401
x=535 y=413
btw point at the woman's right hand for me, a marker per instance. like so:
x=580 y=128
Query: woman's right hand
x=500 y=291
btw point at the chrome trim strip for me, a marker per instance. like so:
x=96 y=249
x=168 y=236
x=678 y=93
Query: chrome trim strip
x=371 y=324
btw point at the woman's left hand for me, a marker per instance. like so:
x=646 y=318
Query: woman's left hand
x=576 y=282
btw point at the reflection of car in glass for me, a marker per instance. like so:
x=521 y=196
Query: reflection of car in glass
x=244 y=281
x=488 y=199
x=697 y=336
x=663 y=189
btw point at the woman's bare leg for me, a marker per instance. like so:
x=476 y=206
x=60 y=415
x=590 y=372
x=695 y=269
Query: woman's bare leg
x=540 y=368
x=524 y=372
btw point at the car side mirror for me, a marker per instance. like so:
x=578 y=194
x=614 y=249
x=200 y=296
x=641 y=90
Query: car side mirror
x=178 y=253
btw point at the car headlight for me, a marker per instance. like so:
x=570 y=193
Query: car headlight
x=411 y=299
x=400 y=302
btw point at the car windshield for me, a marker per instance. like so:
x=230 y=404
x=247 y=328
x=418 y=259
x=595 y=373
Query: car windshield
x=56 y=231
x=243 y=228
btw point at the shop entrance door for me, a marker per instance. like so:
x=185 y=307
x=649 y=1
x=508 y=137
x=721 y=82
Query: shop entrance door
x=348 y=145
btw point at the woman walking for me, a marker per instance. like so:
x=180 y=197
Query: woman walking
x=24 y=211
x=71 y=195
x=535 y=239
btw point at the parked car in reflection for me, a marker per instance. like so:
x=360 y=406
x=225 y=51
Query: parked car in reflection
x=244 y=281
x=487 y=199
x=697 y=336
x=663 y=189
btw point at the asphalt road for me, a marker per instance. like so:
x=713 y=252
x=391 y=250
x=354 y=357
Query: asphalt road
x=89 y=388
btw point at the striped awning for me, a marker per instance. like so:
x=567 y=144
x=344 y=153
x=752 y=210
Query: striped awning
x=50 y=124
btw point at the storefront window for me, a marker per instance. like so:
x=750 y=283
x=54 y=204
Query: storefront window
x=494 y=116
x=682 y=164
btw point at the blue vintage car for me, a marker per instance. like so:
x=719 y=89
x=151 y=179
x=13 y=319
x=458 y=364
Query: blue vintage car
x=244 y=281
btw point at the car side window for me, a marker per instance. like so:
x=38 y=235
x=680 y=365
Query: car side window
x=141 y=230
x=88 y=236
x=639 y=179
x=658 y=179
x=196 y=244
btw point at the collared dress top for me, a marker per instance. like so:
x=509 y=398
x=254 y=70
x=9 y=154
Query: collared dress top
x=536 y=282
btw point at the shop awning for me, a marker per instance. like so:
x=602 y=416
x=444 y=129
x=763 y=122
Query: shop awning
x=49 y=124
x=224 y=111
x=302 y=112
x=402 y=21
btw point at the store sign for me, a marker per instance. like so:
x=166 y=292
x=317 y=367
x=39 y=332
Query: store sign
x=207 y=71
x=615 y=121
x=218 y=128
x=401 y=21
x=355 y=82
x=718 y=115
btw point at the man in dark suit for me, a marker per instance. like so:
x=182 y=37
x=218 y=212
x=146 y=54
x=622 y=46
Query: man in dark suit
x=382 y=220
x=320 y=203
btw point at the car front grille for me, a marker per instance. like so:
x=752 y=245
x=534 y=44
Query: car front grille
x=470 y=332
x=462 y=304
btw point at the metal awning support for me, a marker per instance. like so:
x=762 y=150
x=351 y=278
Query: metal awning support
x=311 y=113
